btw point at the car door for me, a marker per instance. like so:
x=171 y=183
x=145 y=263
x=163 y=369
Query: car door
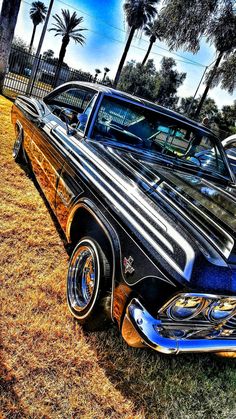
x=48 y=153
x=70 y=102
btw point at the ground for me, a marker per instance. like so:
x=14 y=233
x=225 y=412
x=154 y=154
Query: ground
x=49 y=367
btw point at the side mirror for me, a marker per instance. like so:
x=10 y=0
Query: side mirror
x=69 y=130
x=66 y=119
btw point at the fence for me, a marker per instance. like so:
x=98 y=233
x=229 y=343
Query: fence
x=19 y=71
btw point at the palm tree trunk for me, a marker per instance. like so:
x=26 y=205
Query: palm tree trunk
x=32 y=39
x=62 y=53
x=128 y=43
x=198 y=110
x=147 y=53
x=8 y=18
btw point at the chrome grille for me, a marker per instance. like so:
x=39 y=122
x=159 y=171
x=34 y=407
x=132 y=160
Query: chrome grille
x=231 y=323
x=184 y=325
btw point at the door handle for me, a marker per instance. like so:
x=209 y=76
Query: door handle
x=40 y=123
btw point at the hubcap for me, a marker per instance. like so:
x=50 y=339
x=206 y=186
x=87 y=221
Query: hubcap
x=82 y=277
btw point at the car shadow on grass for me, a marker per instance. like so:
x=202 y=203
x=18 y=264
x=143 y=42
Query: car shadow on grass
x=163 y=386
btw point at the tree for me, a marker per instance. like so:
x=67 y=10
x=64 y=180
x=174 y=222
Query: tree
x=225 y=74
x=67 y=27
x=138 y=13
x=170 y=81
x=228 y=118
x=222 y=122
x=20 y=44
x=106 y=70
x=38 y=13
x=155 y=31
x=221 y=32
x=8 y=19
x=187 y=22
x=147 y=82
x=139 y=80
x=97 y=72
x=48 y=55
x=209 y=108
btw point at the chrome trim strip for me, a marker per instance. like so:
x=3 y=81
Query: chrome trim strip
x=53 y=124
x=137 y=199
x=186 y=273
x=146 y=326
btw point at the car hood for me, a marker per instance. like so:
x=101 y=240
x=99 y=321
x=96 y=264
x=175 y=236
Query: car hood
x=185 y=224
x=204 y=205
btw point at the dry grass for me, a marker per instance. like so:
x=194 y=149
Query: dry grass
x=49 y=367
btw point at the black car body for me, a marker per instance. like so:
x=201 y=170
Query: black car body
x=148 y=200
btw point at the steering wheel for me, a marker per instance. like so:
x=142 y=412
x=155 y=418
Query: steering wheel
x=122 y=135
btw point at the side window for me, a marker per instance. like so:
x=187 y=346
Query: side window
x=74 y=98
x=68 y=104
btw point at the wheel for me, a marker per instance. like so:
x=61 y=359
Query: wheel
x=87 y=285
x=18 y=152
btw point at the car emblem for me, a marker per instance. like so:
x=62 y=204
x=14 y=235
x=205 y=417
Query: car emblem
x=128 y=265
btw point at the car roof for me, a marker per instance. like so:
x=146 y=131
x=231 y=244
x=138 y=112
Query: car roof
x=118 y=93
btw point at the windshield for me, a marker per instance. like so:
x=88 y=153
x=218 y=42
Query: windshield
x=127 y=123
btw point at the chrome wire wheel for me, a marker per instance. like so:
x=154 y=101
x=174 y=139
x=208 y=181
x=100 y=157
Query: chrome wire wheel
x=18 y=152
x=83 y=276
x=17 y=147
x=87 y=280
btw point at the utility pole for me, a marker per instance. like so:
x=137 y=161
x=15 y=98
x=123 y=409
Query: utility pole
x=36 y=59
x=195 y=94
x=213 y=73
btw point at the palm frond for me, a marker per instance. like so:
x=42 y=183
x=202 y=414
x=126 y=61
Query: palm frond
x=67 y=25
x=139 y=12
x=38 y=12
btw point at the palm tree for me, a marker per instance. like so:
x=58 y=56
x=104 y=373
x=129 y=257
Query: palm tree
x=97 y=71
x=221 y=32
x=154 y=31
x=106 y=70
x=38 y=13
x=8 y=18
x=67 y=27
x=138 y=13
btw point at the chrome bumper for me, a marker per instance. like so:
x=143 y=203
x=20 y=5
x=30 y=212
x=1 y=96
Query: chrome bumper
x=140 y=329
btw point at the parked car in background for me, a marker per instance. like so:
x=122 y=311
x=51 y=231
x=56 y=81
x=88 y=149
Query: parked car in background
x=229 y=145
x=147 y=200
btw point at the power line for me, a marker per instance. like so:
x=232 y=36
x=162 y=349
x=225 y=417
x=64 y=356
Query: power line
x=184 y=59
x=122 y=30
x=135 y=46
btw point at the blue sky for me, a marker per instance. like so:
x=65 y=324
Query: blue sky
x=105 y=40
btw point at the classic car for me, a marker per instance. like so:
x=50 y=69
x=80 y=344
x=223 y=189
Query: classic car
x=146 y=199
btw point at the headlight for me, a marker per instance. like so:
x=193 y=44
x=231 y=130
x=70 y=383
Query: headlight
x=186 y=307
x=221 y=309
